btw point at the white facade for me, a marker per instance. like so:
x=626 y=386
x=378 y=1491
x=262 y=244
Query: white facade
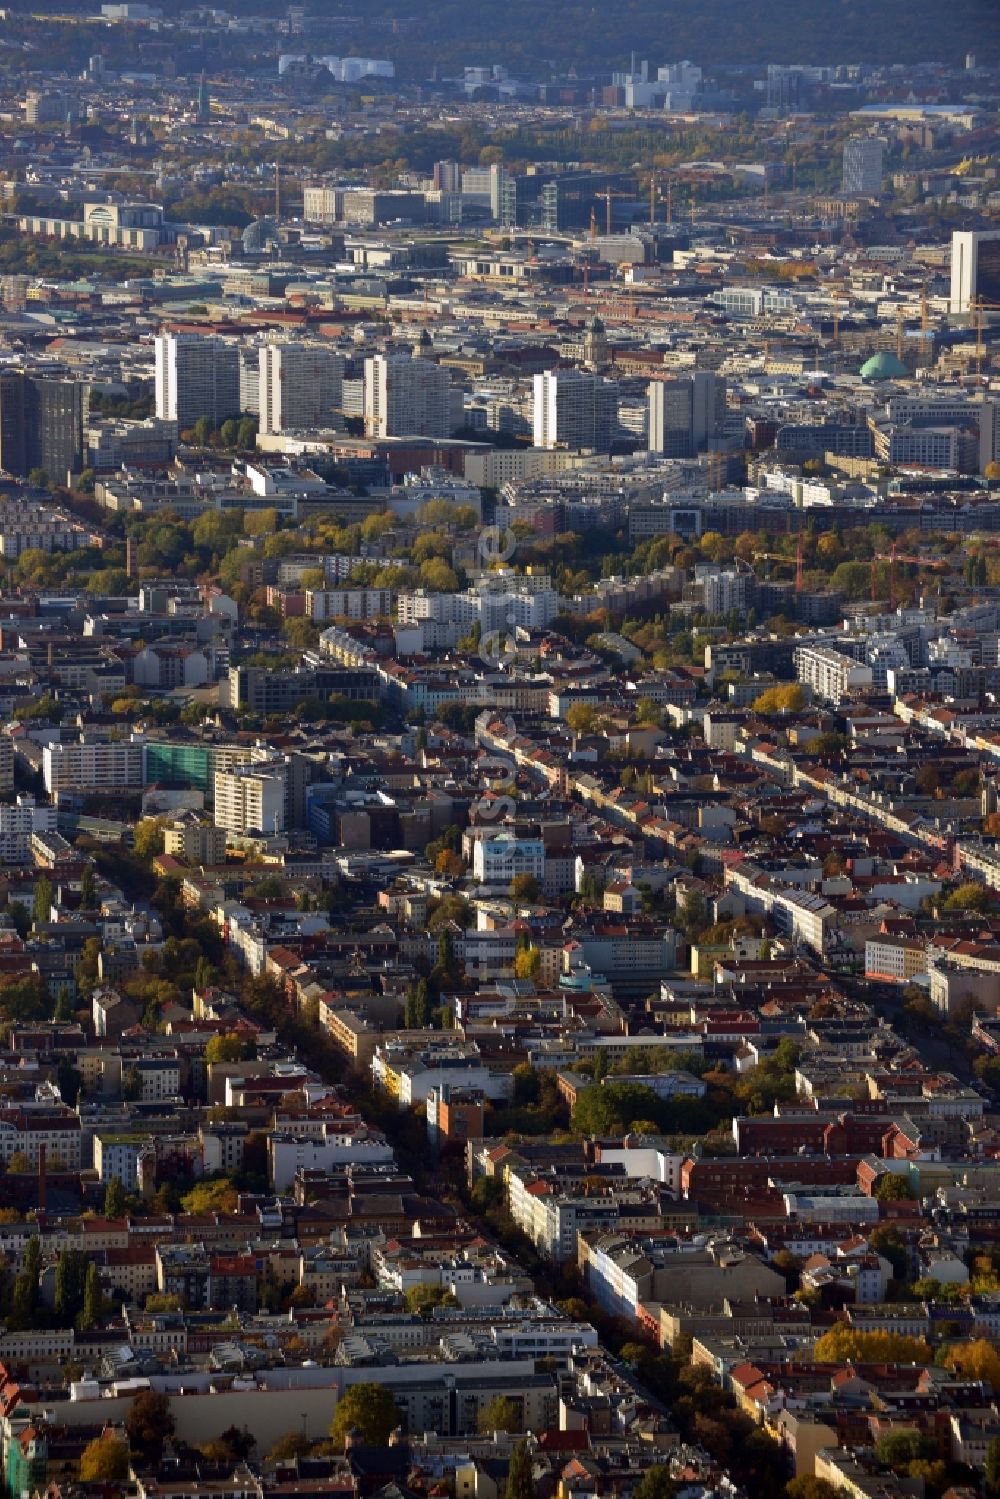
x=119 y=1158
x=349 y=603
x=101 y=766
x=407 y=397
x=501 y=601
x=574 y=410
x=300 y=386
x=829 y=673
x=18 y=821
x=496 y=860
x=894 y=958
x=975 y=268
x=196 y=375
x=290 y=1153
x=250 y=798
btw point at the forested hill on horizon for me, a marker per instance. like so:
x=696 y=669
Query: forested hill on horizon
x=576 y=33
x=538 y=41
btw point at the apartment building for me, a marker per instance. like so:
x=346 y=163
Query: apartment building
x=26 y=1131
x=896 y=959
x=99 y=765
x=19 y=822
x=831 y=675
x=195 y=842
x=502 y=856
x=300 y=386
x=574 y=410
x=251 y=798
x=196 y=375
x=407 y=397
x=349 y=603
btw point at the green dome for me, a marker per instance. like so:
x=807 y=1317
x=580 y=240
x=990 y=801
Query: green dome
x=884 y=366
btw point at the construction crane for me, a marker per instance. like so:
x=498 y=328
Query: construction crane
x=925 y=311
x=785 y=560
x=608 y=197
x=593 y=224
x=892 y=557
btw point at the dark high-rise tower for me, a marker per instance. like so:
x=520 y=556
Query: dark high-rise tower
x=41 y=425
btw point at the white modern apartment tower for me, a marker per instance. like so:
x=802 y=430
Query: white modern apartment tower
x=407 y=397
x=863 y=166
x=574 y=410
x=975 y=268
x=301 y=385
x=196 y=375
x=250 y=798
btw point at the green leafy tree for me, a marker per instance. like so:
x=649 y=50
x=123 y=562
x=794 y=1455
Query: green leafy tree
x=104 y=1460
x=655 y=1483
x=42 y=900
x=887 y=1241
x=992 y=1466
x=131 y=1084
x=520 y=1483
x=64 y=1005
x=92 y=1314
x=810 y=1487
x=894 y=1188
x=897 y=1449
x=24 y=1000
x=969 y=897
x=226 y=1048
x=149 y=1424
x=24 y=1306
x=423 y=1299
x=500 y=1415
x=115 y=1199
x=88 y=887
x=369 y=1409
x=524 y=887
x=147 y=840
x=292 y=1444
x=71 y=1277
x=612 y=1108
